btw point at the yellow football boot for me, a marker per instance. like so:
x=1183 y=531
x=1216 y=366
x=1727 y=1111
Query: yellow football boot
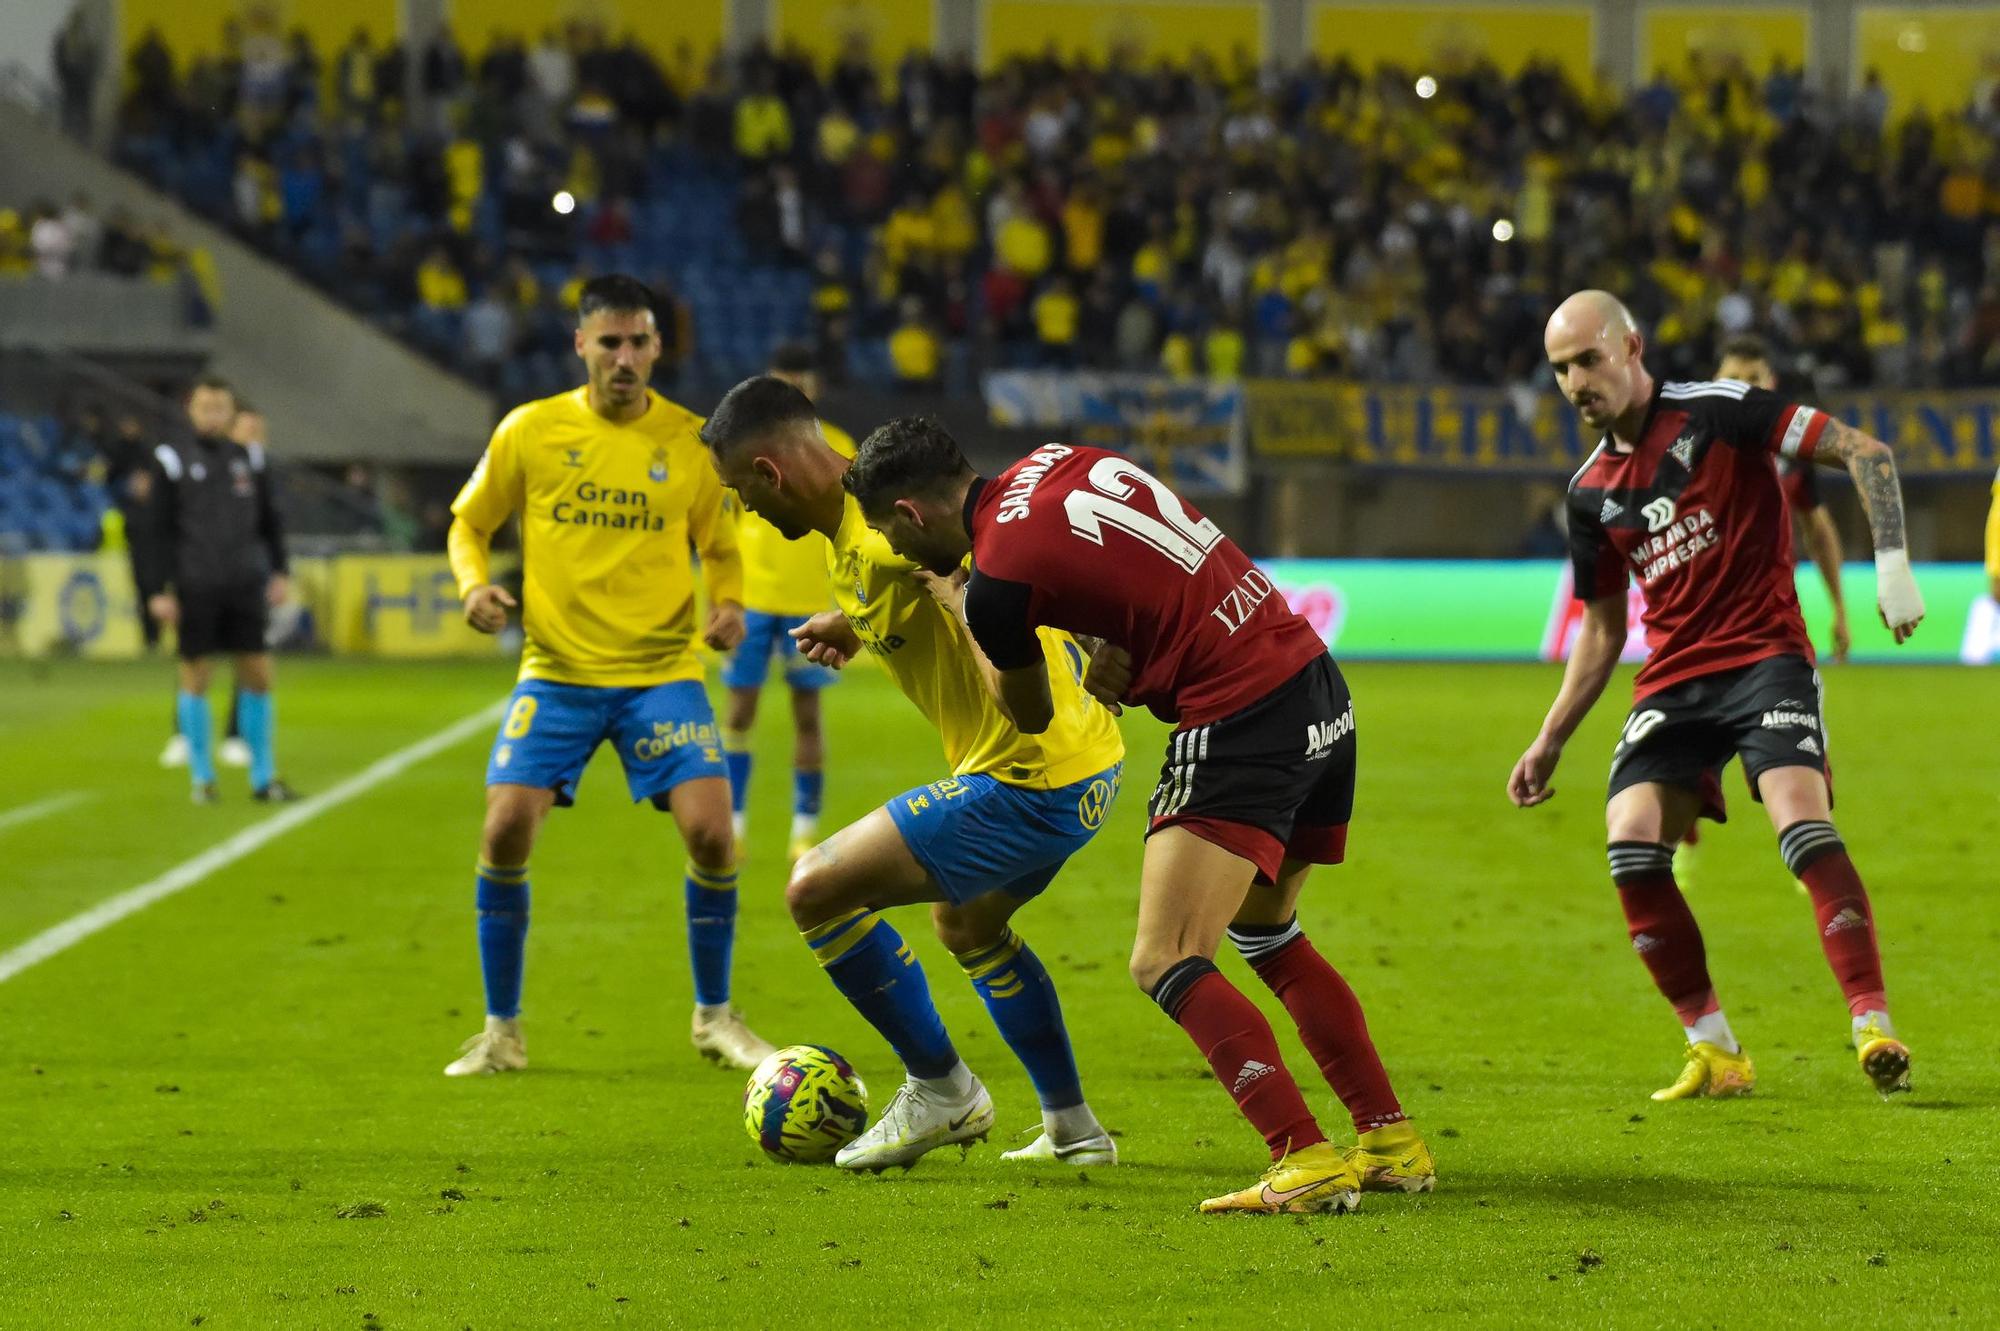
x=1713 y=1073
x=1884 y=1058
x=1393 y=1159
x=1316 y=1179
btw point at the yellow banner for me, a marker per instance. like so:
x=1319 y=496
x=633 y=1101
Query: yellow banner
x=73 y=605
x=1742 y=35
x=191 y=28
x=661 y=28
x=888 y=29
x=1449 y=35
x=1148 y=30
x=1487 y=430
x=1933 y=56
x=398 y=605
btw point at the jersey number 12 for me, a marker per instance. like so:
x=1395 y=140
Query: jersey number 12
x=1176 y=533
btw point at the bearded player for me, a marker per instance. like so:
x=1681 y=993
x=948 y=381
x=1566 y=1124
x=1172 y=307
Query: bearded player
x=1258 y=785
x=613 y=487
x=1681 y=494
x=979 y=844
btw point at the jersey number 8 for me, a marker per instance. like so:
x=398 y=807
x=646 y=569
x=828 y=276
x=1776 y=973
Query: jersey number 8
x=1175 y=533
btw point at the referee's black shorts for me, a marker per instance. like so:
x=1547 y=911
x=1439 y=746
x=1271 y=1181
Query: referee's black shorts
x=222 y=619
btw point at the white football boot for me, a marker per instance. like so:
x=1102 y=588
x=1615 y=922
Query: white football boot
x=916 y=1123
x=234 y=752
x=498 y=1048
x=1096 y=1149
x=724 y=1039
x=176 y=752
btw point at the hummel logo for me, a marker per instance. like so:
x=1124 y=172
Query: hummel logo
x=1849 y=918
x=1810 y=745
x=1683 y=450
x=1644 y=943
x=1251 y=1071
x=1611 y=509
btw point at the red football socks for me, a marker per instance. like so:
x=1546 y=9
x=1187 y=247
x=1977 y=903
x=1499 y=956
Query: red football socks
x=1233 y=1035
x=1846 y=930
x=1662 y=927
x=1330 y=1022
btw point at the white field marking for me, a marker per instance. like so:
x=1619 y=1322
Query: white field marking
x=28 y=813
x=182 y=876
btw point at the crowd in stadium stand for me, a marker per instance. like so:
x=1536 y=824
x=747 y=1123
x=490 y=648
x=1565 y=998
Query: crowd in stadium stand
x=921 y=222
x=52 y=243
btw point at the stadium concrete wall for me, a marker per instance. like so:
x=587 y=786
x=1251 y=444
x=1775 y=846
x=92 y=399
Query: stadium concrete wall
x=334 y=387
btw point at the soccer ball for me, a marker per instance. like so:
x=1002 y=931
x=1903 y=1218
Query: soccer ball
x=803 y=1104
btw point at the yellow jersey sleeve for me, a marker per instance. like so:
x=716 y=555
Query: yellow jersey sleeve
x=1993 y=532
x=781 y=577
x=490 y=496
x=927 y=652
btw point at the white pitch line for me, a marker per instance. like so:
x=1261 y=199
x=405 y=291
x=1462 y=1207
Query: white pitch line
x=28 y=813
x=186 y=874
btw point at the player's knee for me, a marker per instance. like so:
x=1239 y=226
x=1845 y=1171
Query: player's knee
x=816 y=891
x=709 y=843
x=1148 y=964
x=508 y=834
x=960 y=931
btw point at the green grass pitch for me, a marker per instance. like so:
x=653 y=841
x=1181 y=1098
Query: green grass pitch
x=227 y=1111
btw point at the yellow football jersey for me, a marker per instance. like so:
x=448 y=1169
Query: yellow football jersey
x=608 y=513
x=782 y=577
x=927 y=651
x=1993 y=531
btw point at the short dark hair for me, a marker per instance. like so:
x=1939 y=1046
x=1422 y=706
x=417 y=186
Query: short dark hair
x=753 y=410
x=911 y=455
x=792 y=358
x=616 y=293
x=212 y=381
x=1746 y=346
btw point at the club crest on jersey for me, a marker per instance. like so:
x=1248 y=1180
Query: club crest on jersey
x=1659 y=513
x=658 y=471
x=1612 y=508
x=1683 y=451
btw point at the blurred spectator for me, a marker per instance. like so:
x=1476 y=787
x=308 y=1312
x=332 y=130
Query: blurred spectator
x=75 y=62
x=914 y=349
x=49 y=242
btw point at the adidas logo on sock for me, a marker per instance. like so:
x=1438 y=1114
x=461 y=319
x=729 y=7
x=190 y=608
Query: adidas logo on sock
x=1849 y=918
x=1644 y=943
x=1250 y=1072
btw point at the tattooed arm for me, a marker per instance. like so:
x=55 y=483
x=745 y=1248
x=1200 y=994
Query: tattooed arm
x=1873 y=466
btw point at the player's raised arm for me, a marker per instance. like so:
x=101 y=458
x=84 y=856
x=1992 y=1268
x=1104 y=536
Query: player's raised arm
x=1594 y=656
x=1872 y=464
x=712 y=524
x=490 y=496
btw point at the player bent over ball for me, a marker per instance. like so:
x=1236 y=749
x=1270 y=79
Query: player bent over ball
x=979 y=844
x=1681 y=493
x=1259 y=780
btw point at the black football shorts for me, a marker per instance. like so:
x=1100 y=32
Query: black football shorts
x=1271 y=782
x=223 y=619
x=1767 y=713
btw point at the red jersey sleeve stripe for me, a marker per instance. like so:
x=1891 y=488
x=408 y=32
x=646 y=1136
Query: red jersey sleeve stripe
x=1798 y=430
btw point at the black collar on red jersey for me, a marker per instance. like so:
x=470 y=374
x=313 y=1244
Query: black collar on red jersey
x=972 y=502
x=1652 y=406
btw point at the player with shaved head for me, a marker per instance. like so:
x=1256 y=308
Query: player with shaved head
x=1681 y=494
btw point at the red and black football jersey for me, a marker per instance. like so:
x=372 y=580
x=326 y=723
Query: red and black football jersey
x=1087 y=541
x=1696 y=513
